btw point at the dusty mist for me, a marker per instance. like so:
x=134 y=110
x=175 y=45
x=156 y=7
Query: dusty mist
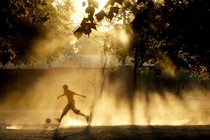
x=110 y=103
x=109 y=97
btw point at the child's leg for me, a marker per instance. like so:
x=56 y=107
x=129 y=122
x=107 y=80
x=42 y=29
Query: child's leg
x=65 y=110
x=78 y=112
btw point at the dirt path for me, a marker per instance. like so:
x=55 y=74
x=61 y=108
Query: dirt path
x=109 y=133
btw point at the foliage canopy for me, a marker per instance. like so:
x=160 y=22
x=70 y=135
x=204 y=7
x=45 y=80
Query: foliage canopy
x=171 y=34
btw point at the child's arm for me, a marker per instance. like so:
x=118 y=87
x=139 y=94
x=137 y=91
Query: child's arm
x=80 y=95
x=60 y=96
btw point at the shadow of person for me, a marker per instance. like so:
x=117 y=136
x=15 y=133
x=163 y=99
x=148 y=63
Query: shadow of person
x=56 y=136
x=85 y=135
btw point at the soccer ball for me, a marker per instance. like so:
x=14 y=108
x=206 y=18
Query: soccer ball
x=48 y=120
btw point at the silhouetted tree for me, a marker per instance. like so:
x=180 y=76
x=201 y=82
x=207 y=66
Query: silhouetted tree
x=21 y=23
x=172 y=35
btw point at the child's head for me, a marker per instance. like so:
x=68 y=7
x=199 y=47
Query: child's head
x=65 y=87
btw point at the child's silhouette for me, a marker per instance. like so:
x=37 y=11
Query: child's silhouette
x=71 y=103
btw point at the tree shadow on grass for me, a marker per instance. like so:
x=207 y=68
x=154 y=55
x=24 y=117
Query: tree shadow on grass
x=85 y=135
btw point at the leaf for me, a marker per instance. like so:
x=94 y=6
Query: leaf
x=114 y=10
x=78 y=33
x=93 y=25
x=87 y=29
x=90 y=18
x=83 y=4
x=84 y=21
x=110 y=15
x=90 y=10
x=100 y=16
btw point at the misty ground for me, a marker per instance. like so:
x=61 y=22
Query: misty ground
x=52 y=132
x=26 y=124
x=31 y=125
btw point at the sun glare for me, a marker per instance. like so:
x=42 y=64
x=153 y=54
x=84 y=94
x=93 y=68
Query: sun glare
x=77 y=13
x=69 y=121
x=101 y=4
x=80 y=8
x=13 y=127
